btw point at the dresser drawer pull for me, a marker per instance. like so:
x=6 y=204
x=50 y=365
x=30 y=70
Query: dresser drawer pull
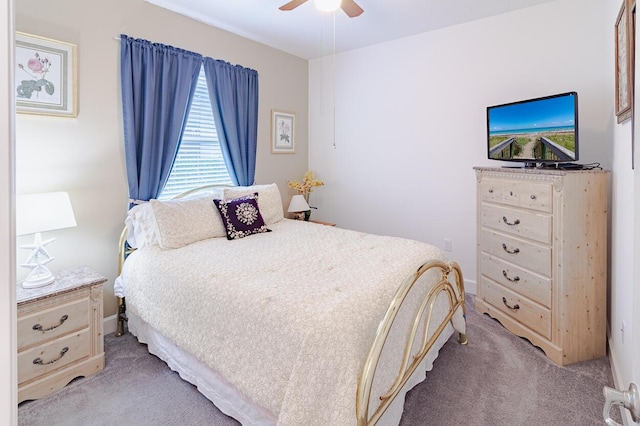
x=513 y=308
x=490 y=190
x=62 y=352
x=533 y=197
x=514 y=223
x=514 y=251
x=38 y=327
x=513 y=280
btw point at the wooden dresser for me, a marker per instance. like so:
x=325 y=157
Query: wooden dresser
x=542 y=257
x=60 y=333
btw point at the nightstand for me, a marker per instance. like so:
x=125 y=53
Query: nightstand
x=321 y=222
x=60 y=333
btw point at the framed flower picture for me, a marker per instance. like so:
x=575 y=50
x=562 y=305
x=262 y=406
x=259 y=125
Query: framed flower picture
x=624 y=56
x=45 y=76
x=283 y=132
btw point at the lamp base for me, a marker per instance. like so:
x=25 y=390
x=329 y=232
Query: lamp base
x=38 y=277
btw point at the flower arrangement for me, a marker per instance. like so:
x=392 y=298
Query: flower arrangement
x=306 y=186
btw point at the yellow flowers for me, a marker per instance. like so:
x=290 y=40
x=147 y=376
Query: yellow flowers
x=307 y=185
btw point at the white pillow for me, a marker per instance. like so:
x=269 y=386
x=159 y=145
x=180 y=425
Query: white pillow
x=184 y=221
x=141 y=228
x=269 y=200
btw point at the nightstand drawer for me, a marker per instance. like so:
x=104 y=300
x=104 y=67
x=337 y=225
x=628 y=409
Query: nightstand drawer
x=48 y=324
x=519 y=308
x=56 y=354
x=521 y=223
x=533 y=286
x=530 y=195
x=534 y=257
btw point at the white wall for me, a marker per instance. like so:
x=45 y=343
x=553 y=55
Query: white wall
x=8 y=349
x=623 y=299
x=84 y=155
x=411 y=116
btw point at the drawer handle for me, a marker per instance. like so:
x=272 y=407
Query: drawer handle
x=514 y=251
x=38 y=327
x=513 y=280
x=39 y=361
x=533 y=197
x=513 y=308
x=490 y=190
x=514 y=223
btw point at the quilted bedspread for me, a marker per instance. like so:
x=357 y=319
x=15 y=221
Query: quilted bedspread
x=286 y=316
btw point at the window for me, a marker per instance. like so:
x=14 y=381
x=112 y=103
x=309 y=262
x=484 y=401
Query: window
x=199 y=160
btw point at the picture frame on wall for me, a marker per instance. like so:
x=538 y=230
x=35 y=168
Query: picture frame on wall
x=624 y=54
x=45 y=76
x=283 y=126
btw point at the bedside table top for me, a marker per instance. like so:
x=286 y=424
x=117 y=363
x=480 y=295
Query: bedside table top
x=66 y=280
x=321 y=222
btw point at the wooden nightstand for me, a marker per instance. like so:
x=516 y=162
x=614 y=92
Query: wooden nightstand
x=322 y=223
x=60 y=333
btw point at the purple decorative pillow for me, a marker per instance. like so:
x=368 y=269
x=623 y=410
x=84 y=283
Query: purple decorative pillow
x=241 y=216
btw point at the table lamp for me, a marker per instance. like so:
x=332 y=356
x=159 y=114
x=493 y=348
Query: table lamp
x=299 y=205
x=36 y=213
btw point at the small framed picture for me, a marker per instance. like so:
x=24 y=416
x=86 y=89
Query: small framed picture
x=624 y=54
x=45 y=76
x=283 y=126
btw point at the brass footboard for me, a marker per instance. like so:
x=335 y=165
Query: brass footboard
x=410 y=361
x=123 y=251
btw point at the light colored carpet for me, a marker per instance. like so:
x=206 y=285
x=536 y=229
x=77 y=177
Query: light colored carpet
x=498 y=379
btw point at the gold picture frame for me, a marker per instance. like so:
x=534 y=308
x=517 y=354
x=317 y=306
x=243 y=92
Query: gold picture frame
x=283 y=132
x=624 y=52
x=45 y=76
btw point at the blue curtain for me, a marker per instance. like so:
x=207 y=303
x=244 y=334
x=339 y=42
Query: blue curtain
x=233 y=91
x=158 y=83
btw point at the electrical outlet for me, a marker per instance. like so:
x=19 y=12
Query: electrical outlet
x=447 y=245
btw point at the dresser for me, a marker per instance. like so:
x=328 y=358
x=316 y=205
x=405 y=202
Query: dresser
x=60 y=332
x=542 y=257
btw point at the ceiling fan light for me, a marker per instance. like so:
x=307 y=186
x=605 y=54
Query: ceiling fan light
x=327 y=5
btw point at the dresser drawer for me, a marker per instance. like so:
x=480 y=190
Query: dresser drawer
x=521 y=223
x=48 y=324
x=531 y=256
x=526 y=312
x=533 y=286
x=530 y=195
x=56 y=354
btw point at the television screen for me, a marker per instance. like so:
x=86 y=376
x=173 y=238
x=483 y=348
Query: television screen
x=540 y=130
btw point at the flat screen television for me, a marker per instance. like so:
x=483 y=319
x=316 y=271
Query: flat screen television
x=541 y=131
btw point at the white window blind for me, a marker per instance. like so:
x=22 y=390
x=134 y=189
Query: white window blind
x=199 y=160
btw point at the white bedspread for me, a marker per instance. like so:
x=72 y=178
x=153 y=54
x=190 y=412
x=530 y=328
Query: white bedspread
x=286 y=316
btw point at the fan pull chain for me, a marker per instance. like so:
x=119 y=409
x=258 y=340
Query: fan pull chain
x=334 y=80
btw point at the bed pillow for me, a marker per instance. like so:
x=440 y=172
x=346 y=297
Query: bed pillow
x=269 y=200
x=184 y=221
x=141 y=229
x=241 y=216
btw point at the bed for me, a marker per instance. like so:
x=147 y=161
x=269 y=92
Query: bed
x=290 y=322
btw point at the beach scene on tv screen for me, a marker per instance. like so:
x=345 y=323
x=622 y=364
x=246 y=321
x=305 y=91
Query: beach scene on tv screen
x=540 y=130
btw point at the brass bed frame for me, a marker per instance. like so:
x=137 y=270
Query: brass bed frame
x=411 y=357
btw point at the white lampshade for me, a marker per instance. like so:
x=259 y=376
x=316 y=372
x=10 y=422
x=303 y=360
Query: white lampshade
x=327 y=5
x=298 y=204
x=36 y=213
x=43 y=212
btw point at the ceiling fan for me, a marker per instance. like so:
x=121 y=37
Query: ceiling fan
x=349 y=7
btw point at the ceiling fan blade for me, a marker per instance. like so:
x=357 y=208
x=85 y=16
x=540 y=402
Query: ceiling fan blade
x=351 y=8
x=292 y=4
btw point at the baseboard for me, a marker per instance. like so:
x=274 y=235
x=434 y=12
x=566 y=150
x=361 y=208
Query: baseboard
x=110 y=324
x=470 y=287
x=617 y=380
